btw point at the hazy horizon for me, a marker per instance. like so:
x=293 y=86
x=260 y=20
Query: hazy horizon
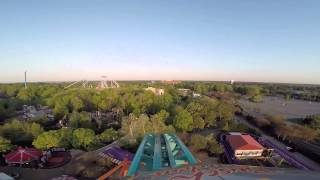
x=206 y=40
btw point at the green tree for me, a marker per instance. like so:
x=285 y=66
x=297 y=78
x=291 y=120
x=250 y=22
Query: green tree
x=225 y=111
x=25 y=95
x=198 y=142
x=76 y=103
x=256 y=98
x=47 y=140
x=253 y=90
x=158 y=123
x=162 y=116
x=220 y=87
x=108 y=135
x=135 y=127
x=183 y=121
x=54 y=138
x=213 y=146
x=60 y=110
x=5 y=145
x=20 y=132
x=35 y=129
x=198 y=123
x=82 y=138
x=80 y=120
x=211 y=118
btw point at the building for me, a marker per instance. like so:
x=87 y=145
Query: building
x=184 y=92
x=30 y=112
x=244 y=146
x=196 y=95
x=156 y=91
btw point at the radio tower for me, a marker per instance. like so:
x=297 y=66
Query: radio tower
x=25 y=79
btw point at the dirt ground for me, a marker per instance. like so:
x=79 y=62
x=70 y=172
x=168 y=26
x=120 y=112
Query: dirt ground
x=279 y=106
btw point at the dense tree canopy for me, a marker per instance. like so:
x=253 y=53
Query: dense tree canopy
x=108 y=135
x=82 y=138
x=54 y=138
x=183 y=121
x=20 y=132
x=80 y=120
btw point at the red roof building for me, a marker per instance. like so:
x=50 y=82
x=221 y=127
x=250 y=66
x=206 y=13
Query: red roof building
x=244 y=146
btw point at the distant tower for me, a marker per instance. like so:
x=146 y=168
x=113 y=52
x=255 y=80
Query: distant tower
x=232 y=82
x=25 y=79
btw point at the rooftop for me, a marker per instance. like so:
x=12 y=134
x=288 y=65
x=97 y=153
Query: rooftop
x=243 y=142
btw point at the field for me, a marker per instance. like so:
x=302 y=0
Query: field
x=279 y=106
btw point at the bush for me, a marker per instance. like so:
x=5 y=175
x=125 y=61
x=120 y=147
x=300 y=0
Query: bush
x=5 y=145
x=256 y=98
x=93 y=172
x=128 y=142
x=104 y=162
x=108 y=135
x=212 y=145
x=198 y=142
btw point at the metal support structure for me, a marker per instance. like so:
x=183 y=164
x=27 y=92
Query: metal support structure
x=170 y=154
x=137 y=158
x=157 y=164
x=25 y=80
x=185 y=150
x=160 y=151
x=103 y=84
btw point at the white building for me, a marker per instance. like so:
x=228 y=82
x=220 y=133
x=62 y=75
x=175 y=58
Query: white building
x=244 y=146
x=156 y=91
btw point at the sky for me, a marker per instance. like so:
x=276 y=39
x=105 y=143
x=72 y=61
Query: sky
x=247 y=40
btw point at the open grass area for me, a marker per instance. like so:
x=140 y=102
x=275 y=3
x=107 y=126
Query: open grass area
x=291 y=109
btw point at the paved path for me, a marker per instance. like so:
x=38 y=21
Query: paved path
x=115 y=143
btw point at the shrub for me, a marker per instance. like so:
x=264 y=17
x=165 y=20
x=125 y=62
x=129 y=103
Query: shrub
x=198 y=142
x=108 y=135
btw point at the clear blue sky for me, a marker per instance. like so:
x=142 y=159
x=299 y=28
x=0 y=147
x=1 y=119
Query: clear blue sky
x=244 y=40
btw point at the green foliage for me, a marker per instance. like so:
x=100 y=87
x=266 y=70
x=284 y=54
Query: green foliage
x=162 y=116
x=208 y=143
x=82 y=138
x=20 y=132
x=198 y=123
x=128 y=142
x=256 y=98
x=197 y=112
x=5 y=145
x=253 y=90
x=212 y=145
x=183 y=121
x=157 y=123
x=134 y=126
x=220 y=87
x=76 y=103
x=108 y=135
x=54 y=138
x=8 y=108
x=225 y=111
x=80 y=120
x=198 y=142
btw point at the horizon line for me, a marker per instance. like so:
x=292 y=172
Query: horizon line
x=221 y=81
